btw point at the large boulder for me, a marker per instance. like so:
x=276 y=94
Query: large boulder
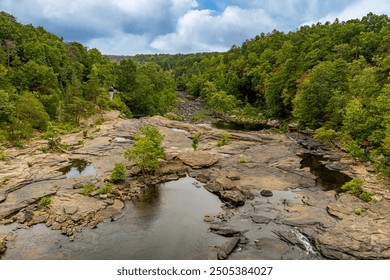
x=234 y=198
x=199 y=159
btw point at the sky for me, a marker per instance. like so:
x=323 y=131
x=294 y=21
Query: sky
x=128 y=27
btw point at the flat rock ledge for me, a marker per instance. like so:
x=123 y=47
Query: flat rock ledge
x=199 y=159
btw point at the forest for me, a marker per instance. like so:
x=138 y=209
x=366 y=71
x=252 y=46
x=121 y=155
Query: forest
x=48 y=85
x=332 y=78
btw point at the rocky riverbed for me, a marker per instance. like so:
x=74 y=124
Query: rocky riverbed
x=272 y=208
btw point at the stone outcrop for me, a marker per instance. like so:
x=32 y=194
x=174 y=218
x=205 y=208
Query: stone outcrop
x=199 y=159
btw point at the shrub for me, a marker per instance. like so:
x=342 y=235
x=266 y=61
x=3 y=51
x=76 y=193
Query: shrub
x=355 y=151
x=85 y=133
x=2 y=154
x=242 y=159
x=88 y=188
x=354 y=187
x=106 y=189
x=195 y=141
x=147 y=149
x=45 y=201
x=326 y=136
x=118 y=174
x=173 y=117
x=99 y=121
x=225 y=139
x=359 y=211
x=365 y=196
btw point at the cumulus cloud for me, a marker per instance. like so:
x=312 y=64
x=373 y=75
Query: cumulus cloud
x=203 y=30
x=155 y=26
x=355 y=9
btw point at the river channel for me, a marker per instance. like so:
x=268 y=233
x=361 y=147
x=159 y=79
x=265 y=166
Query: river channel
x=166 y=223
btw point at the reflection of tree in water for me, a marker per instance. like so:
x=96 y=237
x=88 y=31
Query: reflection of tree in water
x=78 y=164
x=148 y=206
x=149 y=198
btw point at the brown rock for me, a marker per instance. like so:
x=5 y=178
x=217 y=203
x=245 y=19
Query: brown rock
x=199 y=159
x=234 y=198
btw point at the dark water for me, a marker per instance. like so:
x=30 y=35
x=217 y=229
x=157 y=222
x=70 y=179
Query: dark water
x=327 y=179
x=167 y=223
x=77 y=168
x=243 y=126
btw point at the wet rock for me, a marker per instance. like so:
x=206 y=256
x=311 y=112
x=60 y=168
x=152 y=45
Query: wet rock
x=203 y=178
x=224 y=231
x=266 y=193
x=199 y=159
x=110 y=212
x=213 y=188
x=260 y=219
x=227 y=248
x=233 y=198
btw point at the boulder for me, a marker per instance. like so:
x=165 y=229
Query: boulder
x=225 y=183
x=70 y=209
x=234 y=198
x=266 y=193
x=213 y=188
x=224 y=231
x=112 y=212
x=199 y=159
x=227 y=248
x=203 y=178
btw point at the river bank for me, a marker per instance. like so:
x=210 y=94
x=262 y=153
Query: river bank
x=299 y=220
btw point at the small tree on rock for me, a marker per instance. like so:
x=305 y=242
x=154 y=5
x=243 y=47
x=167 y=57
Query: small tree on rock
x=147 y=149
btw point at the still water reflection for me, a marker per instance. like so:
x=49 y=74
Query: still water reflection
x=166 y=223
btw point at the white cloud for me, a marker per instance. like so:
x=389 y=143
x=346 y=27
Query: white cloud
x=120 y=43
x=356 y=9
x=150 y=26
x=203 y=30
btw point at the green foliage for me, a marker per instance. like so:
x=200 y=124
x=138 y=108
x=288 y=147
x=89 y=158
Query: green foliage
x=147 y=149
x=354 y=187
x=106 y=189
x=366 y=196
x=243 y=159
x=173 y=117
x=85 y=133
x=2 y=154
x=99 y=121
x=326 y=136
x=359 y=211
x=199 y=116
x=355 y=151
x=225 y=139
x=45 y=201
x=88 y=188
x=118 y=174
x=195 y=141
